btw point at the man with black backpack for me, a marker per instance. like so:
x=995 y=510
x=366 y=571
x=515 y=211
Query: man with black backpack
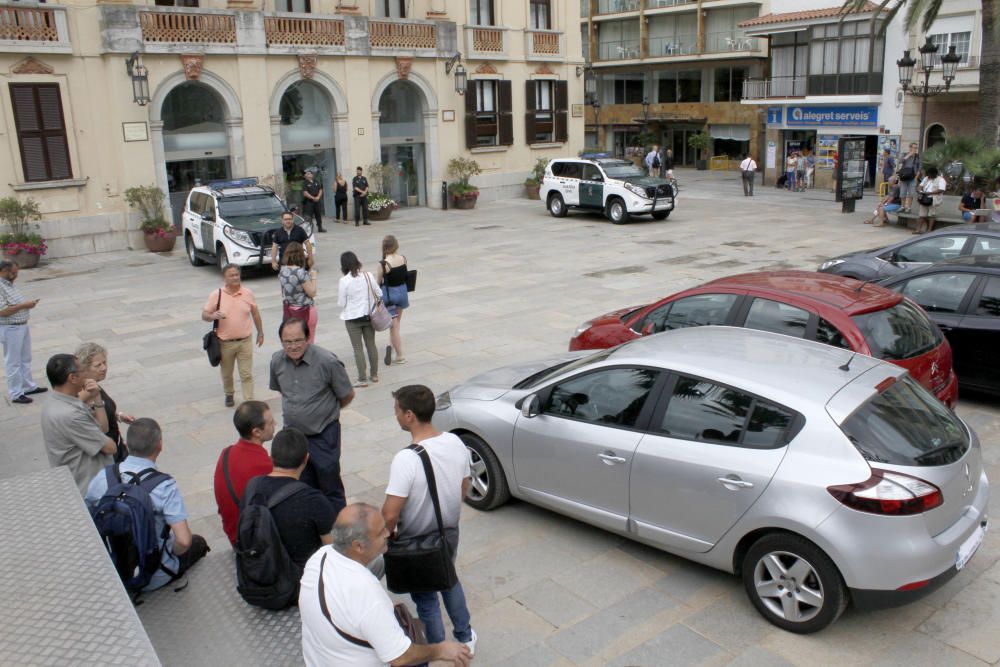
x=282 y=523
x=141 y=517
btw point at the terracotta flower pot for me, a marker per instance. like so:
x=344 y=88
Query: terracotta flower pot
x=463 y=202
x=382 y=214
x=532 y=191
x=24 y=260
x=157 y=243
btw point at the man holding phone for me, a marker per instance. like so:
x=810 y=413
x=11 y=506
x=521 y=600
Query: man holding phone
x=16 y=336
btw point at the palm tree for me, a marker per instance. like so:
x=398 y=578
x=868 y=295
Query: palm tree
x=922 y=13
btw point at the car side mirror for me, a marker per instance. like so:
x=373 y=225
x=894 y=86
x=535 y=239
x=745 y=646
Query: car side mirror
x=531 y=406
x=208 y=217
x=598 y=179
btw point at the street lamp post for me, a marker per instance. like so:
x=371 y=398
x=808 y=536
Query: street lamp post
x=645 y=116
x=906 y=64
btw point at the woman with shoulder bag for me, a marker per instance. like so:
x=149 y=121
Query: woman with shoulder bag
x=298 y=288
x=355 y=295
x=340 y=199
x=930 y=194
x=392 y=278
x=93 y=360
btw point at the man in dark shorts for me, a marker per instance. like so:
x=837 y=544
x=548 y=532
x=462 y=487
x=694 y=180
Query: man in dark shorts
x=312 y=200
x=289 y=232
x=359 y=186
x=304 y=519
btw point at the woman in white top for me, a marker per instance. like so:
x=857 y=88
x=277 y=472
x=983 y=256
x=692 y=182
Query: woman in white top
x=356 y=295
x=932 y=186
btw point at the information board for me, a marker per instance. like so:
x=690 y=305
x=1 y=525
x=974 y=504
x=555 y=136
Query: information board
x=850 y=171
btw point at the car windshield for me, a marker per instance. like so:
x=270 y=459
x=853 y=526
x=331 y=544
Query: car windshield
x=546 y=374
x=252 y=206
x=623 y=170
x=905 y=425
x=900 y=332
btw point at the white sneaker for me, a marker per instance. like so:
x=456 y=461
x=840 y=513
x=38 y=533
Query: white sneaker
x=472 y=643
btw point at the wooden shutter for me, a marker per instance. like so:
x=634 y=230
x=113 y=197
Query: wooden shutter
x=470 y=113
x=41 y=132
x=559 y=111
x=506 y=120
x=529 y=111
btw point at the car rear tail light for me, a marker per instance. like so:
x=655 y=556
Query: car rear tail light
x=889 y=493
x=916 y=585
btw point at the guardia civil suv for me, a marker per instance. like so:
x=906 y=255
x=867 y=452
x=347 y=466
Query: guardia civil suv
x=231 y=222
x=617 y=188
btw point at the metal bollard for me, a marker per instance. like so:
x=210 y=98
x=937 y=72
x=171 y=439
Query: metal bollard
x=444 y=195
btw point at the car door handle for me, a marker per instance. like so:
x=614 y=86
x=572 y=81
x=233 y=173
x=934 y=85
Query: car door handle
x=735 y=482
x=611 y=459
x=944 y=328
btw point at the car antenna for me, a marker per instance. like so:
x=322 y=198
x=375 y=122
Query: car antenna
x=846 y=366
x=862 y=285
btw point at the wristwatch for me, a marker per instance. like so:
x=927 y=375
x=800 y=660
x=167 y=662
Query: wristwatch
x=94 y=406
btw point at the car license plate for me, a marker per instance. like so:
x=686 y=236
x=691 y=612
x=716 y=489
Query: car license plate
x=969 y=547
x=664 y=203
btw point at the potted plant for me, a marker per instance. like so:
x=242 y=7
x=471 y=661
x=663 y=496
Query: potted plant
x=701 y=142
x=159 y=234
x=380 y=204
x=412 y=187
x=22 y=245
x=534 y=182
x=463 y=194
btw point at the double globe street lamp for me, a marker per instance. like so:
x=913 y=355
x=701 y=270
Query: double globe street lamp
x=928 y=53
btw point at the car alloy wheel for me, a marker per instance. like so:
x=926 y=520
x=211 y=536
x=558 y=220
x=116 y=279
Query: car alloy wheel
x=617 y=212
x=557 y=207
x=793 y=584
x=488 y=488
x=192 y=255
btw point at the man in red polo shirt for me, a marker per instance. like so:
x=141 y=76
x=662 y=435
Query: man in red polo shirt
x=244 y=460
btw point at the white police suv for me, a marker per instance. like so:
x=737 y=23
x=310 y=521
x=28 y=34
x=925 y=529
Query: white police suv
x=618 y=188
x=231 y=222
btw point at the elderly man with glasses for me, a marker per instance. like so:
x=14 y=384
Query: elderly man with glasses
x=314 y=386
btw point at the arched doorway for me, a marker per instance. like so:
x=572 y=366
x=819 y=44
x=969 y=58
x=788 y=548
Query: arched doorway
x=401 y=132
x=196 y=147
x=307 y=140
x=935 y=135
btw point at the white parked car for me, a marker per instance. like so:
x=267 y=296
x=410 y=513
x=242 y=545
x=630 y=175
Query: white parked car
x=231 y=222
x=615 y=187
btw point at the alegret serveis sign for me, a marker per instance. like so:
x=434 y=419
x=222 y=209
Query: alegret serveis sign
x=853 y=116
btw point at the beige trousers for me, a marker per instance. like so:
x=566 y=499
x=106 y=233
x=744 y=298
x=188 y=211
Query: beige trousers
x=238 y=352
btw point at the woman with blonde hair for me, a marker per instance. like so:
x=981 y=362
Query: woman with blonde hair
x=392 y=277
x=298 y=288
x=93 y=361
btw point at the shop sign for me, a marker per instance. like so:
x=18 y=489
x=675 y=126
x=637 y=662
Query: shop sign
x=852 y=116
x=774 y=115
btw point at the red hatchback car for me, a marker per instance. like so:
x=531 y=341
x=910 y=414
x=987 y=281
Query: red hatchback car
x=831 y=309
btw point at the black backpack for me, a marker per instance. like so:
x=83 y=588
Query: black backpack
x=126 y=521
x=266 y=576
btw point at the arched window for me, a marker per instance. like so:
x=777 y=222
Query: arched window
x=935 y=135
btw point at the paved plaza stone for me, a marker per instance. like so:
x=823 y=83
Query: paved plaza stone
x=500 y=284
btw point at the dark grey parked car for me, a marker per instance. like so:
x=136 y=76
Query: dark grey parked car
x=937 y=246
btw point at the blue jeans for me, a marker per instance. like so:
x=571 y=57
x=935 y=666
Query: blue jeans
x=429 y=611
x=966 y=216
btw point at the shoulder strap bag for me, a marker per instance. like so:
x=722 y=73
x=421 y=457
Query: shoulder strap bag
x=378 y=313
x=210 y=341
x=425 y=563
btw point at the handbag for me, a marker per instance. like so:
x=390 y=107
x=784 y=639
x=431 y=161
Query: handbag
x=423 y=564
x=925 y=200
x=411 y=280
x=289 y=311
x=907 y=174
x=379 y=314
x=210 y=342
x=412 y=627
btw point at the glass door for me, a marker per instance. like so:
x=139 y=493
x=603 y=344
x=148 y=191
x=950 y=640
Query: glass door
x=406 y=184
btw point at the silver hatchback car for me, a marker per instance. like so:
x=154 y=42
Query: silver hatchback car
x=819 y=476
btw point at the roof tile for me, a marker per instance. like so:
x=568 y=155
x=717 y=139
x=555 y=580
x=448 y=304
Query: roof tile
x=789 y=17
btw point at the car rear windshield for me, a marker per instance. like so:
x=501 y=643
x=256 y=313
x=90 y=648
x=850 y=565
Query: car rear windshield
x=251 y=206
x=905 y=425
x=900 y=332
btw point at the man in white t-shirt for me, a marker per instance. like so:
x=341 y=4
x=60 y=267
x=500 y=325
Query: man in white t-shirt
x=747 y=170
x=356 y=604
x=409 y=510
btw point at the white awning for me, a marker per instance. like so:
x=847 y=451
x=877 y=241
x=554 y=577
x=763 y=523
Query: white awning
x=734 y=132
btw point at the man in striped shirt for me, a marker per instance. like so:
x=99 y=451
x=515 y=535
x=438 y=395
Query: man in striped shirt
x=16 y=336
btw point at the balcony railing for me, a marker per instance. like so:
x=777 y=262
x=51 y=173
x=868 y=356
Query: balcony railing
x=28 y=24
x=295 y=31
x=674 y=45
x=657 y=4
x=627 y=50
x=487 y=40
x=187 y=28
x=779 y=86
x=400 y=35
x=617 y=6
x=24 y=27
x=544 y=45
x=729 y=40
